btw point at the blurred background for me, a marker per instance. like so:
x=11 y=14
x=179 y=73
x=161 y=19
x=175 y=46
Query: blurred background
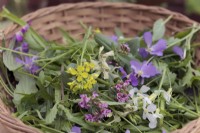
x=190 y=8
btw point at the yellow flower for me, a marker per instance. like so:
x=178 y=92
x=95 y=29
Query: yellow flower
x=97 y=30
x=84 y=80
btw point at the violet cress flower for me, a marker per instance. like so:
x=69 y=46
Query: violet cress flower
x=156 y=49
x=143 y=70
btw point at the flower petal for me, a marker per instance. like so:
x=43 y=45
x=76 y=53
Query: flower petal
x=127 y=131
x=143 y=52
x=153 y=124
x=149 y=70
x=136 y=65
x=148 y=38
x=134 y=80
x=179 y=51
x=151 y=107
x=76 y=129
x=144 y=89
x=124 y=74
x=133 y=91
x=19 y=61
x=159 y=47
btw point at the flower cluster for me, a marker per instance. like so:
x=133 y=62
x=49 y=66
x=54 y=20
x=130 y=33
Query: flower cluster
x=97 y=109
x=84 y=79
x=121 y=91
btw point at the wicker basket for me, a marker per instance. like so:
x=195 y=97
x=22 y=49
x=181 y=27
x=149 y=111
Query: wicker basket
x=129 y=18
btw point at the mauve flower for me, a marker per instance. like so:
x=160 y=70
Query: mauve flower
x=84 y=101
x=75 y=129
x=25 y=47
x=156 y=49
x=179 y=51
x=94 y=95
x=89 y=117
x=19 y=36
x=29 y=64
x=106 y=112
x=122 y=97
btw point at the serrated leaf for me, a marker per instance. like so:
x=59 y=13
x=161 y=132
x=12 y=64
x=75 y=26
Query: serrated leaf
x=158 y=29
x=51 y=115
x=25 y=86
x=169 y=78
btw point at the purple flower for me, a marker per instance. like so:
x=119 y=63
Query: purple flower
x=25 y=47
x=179 y=51
x=124 y=74
x=134 y=79
x=118 y=87
x=122 y=97
x=19 y=36
x=144 y=70
x=76 y=129
x=127 y=131
x=114 y=38
x=156 y=49
x=29 y=64
x=84 y=101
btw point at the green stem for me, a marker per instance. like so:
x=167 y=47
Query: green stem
x=5 y=87
x=127 y=121
x=184 y=38
x=17 y=52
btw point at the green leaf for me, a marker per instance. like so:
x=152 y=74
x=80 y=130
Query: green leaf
x=158 y=29
x=9 y=61
x=169 y=78
x=134 y=44
x=118 y=32
x=25 y=86
x=32 y=41
x=51 y=115
x=104 y=41
x=74 y=119
x=66 y=36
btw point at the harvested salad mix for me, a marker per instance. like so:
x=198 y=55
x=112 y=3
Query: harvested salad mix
x=104 y=84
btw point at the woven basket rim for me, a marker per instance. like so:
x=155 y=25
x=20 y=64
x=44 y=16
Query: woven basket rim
x=6 y=115
x=64 y=6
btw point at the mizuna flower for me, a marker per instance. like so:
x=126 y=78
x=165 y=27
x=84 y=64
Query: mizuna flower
x=179 y=51
x=143 y=70
x=156 y=49
x=29 y=64
x=84 y=79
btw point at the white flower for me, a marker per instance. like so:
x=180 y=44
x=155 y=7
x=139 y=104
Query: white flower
x=101 y=66
x=151 y=113
x=135 y=94
x=166 y=94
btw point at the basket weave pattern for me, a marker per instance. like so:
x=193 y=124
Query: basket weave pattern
x=130 y=18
